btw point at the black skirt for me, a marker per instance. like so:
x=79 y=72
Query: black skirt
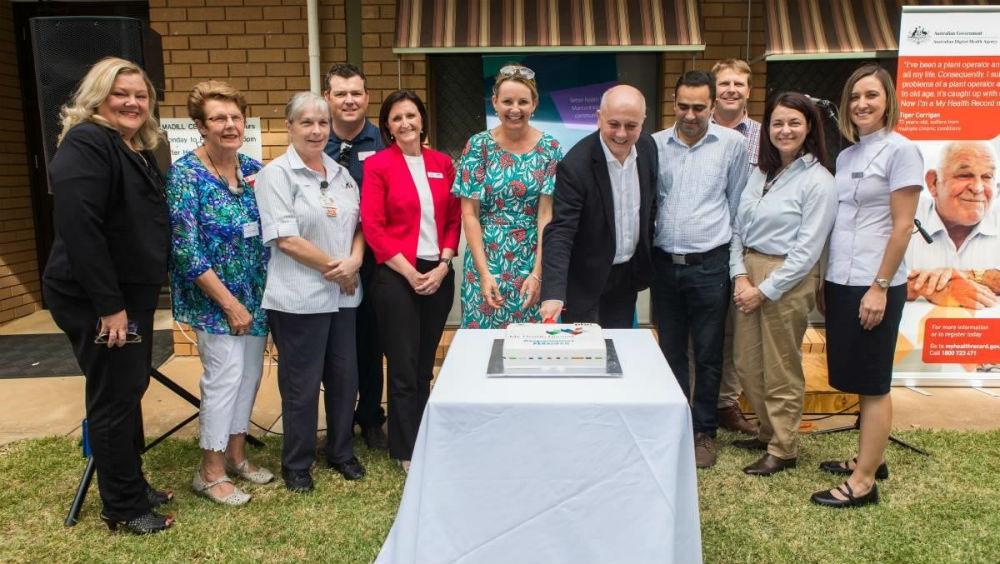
x=860 y=361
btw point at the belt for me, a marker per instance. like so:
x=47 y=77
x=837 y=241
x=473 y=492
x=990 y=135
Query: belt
x=748 y=250
x=695 y=258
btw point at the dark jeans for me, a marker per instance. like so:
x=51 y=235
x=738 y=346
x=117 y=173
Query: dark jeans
x=691 y=302
x=616 y=307
x=369 y=412
x=411 y=326
x=314 y=349
x=117 y=378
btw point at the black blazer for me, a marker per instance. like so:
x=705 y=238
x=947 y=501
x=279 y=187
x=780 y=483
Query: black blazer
x=578 y=246
x=112 y=232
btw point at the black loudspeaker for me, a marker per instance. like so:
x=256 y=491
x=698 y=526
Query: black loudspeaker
x=64 y=49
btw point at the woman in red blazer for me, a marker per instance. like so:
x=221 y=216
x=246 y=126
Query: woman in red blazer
x=411 y=222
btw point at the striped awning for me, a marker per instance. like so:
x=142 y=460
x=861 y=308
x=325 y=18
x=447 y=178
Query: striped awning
x=830 y=28
x=490 y=26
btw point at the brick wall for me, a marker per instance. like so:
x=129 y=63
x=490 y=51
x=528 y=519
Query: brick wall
x=724 y=31
x=20 y=288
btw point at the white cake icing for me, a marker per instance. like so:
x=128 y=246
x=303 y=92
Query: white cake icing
x=569 y=347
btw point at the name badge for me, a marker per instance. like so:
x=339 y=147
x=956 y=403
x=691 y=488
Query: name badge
x=434 y=175
x=251 y=230
x=857 y=175
x=362 y=155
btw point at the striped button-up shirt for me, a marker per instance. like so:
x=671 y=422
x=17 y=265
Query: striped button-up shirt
x=698 y=189
x=625 y=196
x=750 y=129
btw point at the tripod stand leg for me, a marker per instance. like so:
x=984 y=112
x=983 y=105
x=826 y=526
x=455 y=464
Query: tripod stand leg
x=81 y=493
x=905 y=444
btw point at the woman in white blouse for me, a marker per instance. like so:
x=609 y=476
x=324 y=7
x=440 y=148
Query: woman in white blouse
x=309 y=208
x=782 y=224
x=878 y=185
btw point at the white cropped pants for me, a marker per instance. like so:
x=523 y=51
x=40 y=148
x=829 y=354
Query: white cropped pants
x=233 y=366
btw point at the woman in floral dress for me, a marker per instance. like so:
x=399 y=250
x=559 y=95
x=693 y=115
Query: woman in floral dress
x=505 y=178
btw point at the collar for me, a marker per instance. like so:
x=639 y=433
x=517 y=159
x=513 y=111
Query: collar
x=295 y=163
x=710 y=136
x=743 y=126
x=368 y=132
x=931 y=221
x=875 y=136
x=609 y=156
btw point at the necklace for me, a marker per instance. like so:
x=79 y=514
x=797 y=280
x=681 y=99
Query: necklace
x=235 y=190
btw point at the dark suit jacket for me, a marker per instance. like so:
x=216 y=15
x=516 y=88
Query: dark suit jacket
x=578 y=246
x=112 y=231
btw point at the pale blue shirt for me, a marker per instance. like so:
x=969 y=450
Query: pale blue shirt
x=867 y=173
x=792 y=220
x=292 y=205
x=698 y=189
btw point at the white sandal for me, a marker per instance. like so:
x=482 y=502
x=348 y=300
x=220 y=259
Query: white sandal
x=202 y=488
x=259 y=476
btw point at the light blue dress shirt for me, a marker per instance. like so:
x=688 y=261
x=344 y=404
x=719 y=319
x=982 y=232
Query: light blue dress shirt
x=793 y=219
x=698 y=189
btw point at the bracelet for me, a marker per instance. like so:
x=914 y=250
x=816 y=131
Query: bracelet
x=532 y=275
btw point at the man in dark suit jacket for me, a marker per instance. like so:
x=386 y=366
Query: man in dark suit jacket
x=596 y=249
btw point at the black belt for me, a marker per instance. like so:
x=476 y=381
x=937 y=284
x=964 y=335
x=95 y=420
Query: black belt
x=694 y=258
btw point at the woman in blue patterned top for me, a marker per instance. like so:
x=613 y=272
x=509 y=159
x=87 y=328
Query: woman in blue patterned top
x=217 y=278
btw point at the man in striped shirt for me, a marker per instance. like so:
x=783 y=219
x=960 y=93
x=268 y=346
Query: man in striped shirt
x=732 y=92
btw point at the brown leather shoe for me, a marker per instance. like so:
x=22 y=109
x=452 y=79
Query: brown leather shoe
x=731 y=419
x=705 y=451
x=769 y=464
x=750 y=444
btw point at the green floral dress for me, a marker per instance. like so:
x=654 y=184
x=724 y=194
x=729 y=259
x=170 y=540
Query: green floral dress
x=507 y=186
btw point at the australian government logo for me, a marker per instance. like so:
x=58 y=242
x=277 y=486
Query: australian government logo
x=918 y=35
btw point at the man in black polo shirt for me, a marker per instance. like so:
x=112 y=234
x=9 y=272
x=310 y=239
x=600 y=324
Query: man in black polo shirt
x=353 y=139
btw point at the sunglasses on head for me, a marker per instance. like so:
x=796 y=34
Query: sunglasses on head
x=517 y=70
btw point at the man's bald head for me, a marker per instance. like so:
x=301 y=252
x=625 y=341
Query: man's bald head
x=623 y=110
x=963 y=183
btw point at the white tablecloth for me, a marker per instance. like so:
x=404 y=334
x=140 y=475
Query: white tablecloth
x=575 y=470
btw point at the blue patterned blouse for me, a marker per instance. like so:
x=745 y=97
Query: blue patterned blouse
x=207 y=223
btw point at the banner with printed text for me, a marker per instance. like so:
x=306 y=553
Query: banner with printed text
x=948 y=87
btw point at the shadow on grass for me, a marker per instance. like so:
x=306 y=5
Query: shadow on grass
x=940 y=509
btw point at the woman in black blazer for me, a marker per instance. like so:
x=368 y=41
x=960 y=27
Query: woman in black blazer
x=103 y=277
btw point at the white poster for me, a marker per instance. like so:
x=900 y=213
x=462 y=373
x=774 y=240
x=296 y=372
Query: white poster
x=184 y=137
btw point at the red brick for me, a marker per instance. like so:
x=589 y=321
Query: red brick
x=207 y=42
x=167 y=15
x=264 y=27
x=265 y=55
x=187 y=28
x=206 y=13
x=284 y=41
x=189 y=56
x=229 y=56
x=226 y=28
x=284 y=13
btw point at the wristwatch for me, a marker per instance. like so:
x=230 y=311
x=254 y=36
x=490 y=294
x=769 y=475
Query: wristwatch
x=882 y=283
x=446 y=262
x=977 y=275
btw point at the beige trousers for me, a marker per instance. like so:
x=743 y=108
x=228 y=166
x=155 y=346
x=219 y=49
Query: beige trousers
x=767 y=354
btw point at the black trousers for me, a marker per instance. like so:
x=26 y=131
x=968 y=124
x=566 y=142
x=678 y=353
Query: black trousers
x=690 y=303
x=411 y=326
x=314 y=349
x=117 y=378
x=615 y=309
x=369 y=412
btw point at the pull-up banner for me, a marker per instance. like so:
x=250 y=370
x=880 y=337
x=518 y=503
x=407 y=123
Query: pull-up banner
x=948 y=86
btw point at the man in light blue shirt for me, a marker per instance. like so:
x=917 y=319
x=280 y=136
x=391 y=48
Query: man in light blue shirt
x=703 y=169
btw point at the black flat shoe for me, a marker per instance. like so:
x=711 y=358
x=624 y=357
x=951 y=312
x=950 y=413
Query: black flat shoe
x=350 y=469
x=158 y=497
x=750 y=444
x=151 y=522
x=842 y=468
x=826 y=498
x=769 y=464
x=298 y=481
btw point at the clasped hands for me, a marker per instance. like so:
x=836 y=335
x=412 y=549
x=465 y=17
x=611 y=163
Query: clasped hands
x=427 y=283
x=746 y=297
x=345 y=273
x=949 y=287
x=530 y=291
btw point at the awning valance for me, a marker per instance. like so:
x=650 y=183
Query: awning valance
x=490 y=26
x=830 y=28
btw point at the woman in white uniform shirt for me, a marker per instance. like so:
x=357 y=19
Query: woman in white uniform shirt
x=782 y=224
x=878 y=184
x=309 y=207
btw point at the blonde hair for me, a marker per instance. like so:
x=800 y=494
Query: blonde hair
x=213 y=90
x=528 y=82
x=737 y=65
x=844 y=123
x=95 y=88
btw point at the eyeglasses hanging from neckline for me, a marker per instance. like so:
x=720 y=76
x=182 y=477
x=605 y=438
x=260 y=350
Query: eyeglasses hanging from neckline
x=345 y=153
x=517 y=70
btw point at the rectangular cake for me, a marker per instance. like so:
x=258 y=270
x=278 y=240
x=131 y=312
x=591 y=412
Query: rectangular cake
x=551 y=347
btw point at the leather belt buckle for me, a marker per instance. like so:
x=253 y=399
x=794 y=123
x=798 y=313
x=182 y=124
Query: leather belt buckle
x=679 y=259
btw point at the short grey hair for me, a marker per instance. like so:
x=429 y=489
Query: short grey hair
x=303 y=101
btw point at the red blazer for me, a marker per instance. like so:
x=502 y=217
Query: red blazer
x=390 y=206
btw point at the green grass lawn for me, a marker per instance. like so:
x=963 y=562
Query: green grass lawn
x=940 y=509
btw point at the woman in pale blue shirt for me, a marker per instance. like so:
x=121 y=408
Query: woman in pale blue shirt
x=781 y=226
x=878 y=184
x=309 y=209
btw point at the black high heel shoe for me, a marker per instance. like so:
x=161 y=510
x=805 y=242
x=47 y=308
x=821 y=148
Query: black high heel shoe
x=148 y=523
x=158 y=497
